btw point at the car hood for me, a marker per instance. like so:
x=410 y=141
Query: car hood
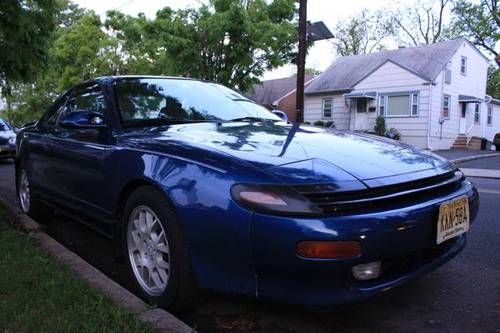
x=5 y=135
x=293 y=152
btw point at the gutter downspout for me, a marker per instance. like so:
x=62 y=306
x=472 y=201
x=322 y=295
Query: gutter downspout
x=429 y=120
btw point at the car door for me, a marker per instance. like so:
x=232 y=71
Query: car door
x=39 y=161
x=77 y=173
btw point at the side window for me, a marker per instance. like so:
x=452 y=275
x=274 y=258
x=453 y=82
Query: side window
x=89 y=98
x=49 y=119
x=463 y=65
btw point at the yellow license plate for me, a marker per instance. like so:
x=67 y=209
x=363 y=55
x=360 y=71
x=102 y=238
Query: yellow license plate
x=453 y=219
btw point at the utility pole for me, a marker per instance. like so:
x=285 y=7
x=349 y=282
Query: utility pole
x=301 y=60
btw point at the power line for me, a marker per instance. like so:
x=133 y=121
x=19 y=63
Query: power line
x=124 y=4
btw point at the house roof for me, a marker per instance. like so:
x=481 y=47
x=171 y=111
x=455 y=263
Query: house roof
x=495 y=101
x=269 y=91
x=469 y=99
x=426 y=61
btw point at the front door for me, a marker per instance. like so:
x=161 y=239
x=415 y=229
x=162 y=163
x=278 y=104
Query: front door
x=463 y=118
x=361 y=121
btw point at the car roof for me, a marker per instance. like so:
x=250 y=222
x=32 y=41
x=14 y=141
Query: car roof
x=112 y=78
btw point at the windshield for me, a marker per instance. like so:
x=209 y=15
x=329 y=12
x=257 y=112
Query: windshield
x=156 y=100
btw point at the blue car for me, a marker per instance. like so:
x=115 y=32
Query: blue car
x=200 y=188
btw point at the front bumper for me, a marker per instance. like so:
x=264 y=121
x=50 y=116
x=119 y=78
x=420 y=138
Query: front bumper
x=404 y=239
x=7 y=151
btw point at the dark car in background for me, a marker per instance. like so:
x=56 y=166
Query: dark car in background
x=7 y=140
x=202 y=188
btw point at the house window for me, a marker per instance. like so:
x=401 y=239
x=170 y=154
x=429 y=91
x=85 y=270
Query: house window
x=463 y=66
x=399 y=105
x=381 y=105
x=477 y=114
x=445 y=113
x=489 y=119
x=327 y=107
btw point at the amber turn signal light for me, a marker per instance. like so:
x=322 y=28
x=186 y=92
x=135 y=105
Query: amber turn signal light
x=329 y=249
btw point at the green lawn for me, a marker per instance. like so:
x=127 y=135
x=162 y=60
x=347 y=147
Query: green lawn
x=39 y=295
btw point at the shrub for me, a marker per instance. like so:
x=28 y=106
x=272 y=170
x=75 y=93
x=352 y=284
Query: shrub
x=380 y=126
x=394 y=134
x=329 y=124
x=320 y=123
x=307 y=123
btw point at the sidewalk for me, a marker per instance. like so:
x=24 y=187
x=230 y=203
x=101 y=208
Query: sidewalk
x=482 y=173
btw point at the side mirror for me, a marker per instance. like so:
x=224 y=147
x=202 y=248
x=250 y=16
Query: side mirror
x=83 y=119
x=281 y=114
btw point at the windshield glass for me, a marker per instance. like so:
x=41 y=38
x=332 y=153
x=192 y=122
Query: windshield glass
x=156 y=100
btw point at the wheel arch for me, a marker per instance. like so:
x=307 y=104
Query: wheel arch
x=130 y=187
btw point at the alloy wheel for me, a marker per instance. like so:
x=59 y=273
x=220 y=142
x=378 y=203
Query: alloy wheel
x=148 y=250
x=24 y=191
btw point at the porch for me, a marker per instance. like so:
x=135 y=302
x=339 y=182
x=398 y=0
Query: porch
x=470 y=130
x=362 y=107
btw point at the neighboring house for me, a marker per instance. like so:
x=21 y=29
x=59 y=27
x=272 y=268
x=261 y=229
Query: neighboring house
x=279 y=94
x=492 y=119
x=433 y=94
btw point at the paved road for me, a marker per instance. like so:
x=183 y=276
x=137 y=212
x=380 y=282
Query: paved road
x=460 y=153
x=486 y=163
x=462 y=296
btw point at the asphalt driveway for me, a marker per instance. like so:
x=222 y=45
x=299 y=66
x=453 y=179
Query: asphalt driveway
x=462 y=296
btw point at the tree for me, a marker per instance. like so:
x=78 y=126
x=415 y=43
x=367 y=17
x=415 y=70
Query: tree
x=80 y=50
x=312 y=71
x=140 y=51
x=480 y=23
x=421 y=24
x=360 y=34
x=25 y=31
x=229 y=41
x=493 y=87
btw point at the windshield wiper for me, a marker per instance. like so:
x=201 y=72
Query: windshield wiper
x=249 y=119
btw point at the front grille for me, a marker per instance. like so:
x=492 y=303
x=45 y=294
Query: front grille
x=4 y=141
x=374 y=199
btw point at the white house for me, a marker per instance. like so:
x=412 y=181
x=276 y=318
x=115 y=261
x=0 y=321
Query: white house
x=492 y=119
x=435 y=95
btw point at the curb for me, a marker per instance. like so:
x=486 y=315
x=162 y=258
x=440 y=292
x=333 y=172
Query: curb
x=473 y=157
x=158 y=319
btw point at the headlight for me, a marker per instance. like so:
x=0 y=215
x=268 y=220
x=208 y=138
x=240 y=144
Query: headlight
x=12 y=141
x=273 y=199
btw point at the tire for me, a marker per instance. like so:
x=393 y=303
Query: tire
x=147 y=250
x=28 y=201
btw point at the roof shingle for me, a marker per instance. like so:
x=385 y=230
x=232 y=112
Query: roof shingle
x=269 y=91
x=426 y=61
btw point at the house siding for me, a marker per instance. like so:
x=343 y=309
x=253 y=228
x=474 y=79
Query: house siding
x=391 y=78
x=494 y=128
x=313 y=110
x=472 y=84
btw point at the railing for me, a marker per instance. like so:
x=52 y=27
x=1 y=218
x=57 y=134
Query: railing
x=468 y=136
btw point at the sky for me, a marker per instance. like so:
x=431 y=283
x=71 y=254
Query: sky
x=320 y=56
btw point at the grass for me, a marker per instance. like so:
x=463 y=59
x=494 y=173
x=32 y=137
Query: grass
x=38 y=294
